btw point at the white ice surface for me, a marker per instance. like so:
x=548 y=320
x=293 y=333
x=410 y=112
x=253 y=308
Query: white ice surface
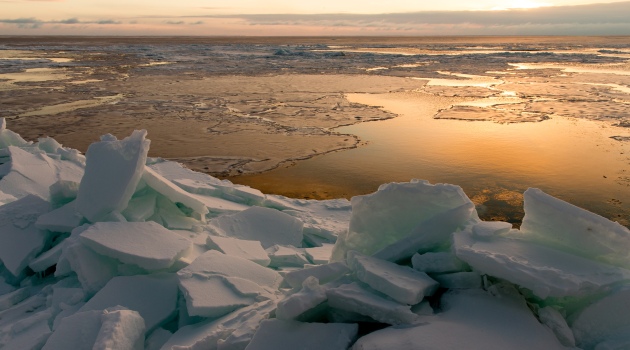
x=246 y=249
x=284 y=334
x=121 y=330
x=489 y=229
x=310 y=296
x=324 y=273
x=154 y=297
x=545 y=271
x=112 y=172
x=397 y=211
x=20 y=239
x=286 y=256
x=562 y=225
x=62 y=219
x=401 y=283
x=320 y=255
x=354 y=298
x=471 y=320
x=171 y=191
x=146 y=244
x=269 y=226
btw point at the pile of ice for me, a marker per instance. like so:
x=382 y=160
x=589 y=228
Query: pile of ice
x=117 y=251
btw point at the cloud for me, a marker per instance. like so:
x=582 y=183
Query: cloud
x=23 y=22
x=36 y=23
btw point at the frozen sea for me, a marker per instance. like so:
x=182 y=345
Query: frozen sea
x=337 y=117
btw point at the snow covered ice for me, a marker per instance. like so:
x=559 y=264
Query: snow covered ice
x=119 y=251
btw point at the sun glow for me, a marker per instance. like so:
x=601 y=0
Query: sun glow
x=520 y=4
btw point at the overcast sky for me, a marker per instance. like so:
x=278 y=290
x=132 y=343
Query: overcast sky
x=322 y=17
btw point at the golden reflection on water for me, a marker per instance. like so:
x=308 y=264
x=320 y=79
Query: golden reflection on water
x=573 y=159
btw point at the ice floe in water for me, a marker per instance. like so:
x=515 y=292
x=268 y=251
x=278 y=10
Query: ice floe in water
x=119 y=251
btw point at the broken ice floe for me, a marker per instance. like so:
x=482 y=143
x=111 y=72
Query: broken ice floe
x=125 y=252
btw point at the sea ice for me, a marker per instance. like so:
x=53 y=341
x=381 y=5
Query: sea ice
x=20 y=239
x=250 y=250
x=284 y=334
x=63 y=219
x=311 y=295
x=283 y=256
x=459 y=280
x=92 y=269
x=352 y=297
x=546 y=271
x=145 y=244
x=324 y=273
x=10 y=138
x=440 y=262
x=319 y=255
x=120 y=329
x=486 y=229
x=154 y=297
x=551 y=318
x=269 y=226
x=112 y=172
x=605 y=319
x=472 y=320
x=564 y=226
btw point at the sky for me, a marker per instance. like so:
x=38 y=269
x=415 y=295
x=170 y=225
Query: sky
x=322 y=17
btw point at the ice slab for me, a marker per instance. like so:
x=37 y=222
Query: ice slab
x=141 y=208
x=310 y=296
x=485 y=229
x=546 y=271
x=354 y=298
x=12 y=298
x=283 y=256
x=46 y=259
x=551 y=318
x=92 y=269
x=154 y=297
x=20 y=239
x=564 y=226
x=319 y=255
x=459 y=280
x=174 y=193
x=30 y=333
x=470 y=320
x=605 y=319
x=63 y=192
x=112 y=172
x=269 y=226
x=394 y=212
x=157 y=339
x=87 y=324
x=401 y=283
x=145 y=244
x=62 y=219
x=324 y=273
x=283 y=334
x=120 y=329
x=250 y=250
x=233 y=331
x=10 y=138
x=440 y=262
x=34 y=173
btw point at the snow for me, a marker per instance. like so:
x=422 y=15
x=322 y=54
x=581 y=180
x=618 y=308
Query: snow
x=401 y=283
x=138 y=253
x=250 y=250
x=112 y=172
x=282 y=334
x=269 y=226
x=146 y=244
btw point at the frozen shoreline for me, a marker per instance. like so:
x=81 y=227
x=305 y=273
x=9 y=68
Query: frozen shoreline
x=115 y=250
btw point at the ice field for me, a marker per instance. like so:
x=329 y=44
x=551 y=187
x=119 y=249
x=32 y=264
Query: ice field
x=115 y=250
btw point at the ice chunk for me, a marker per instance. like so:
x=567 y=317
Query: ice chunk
x=20 y=239
x=172 y=216
x=175 y=194
x=551 y=318
x=12 y=298
x=154 y=297
x=141 y=208
x=397 y=211
x=233 y=331
x=401 y=283
x=63 y=192
x=441 y=262
x=282 y=256
x=459 y=280
x=352 y=297
x=433 y=234
x=112 y=172
x=215 y=284
x=269 y=226
x=6 y=198
x=10 y=138
x=120 y=329
x=319 y=255
x=157 y=339
x=29 y=333
x=197 y=187
x=606 y=318
x=564 y=226
x=282 y=334
x=323 y=220
x=250 y=250
x=86 y=324
x=92 y=269
x=485 y=229
x=545 y=271
x=472 y=320
x=310 y=296
x=324 y=273
x=63 y=219
x=146 y=244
